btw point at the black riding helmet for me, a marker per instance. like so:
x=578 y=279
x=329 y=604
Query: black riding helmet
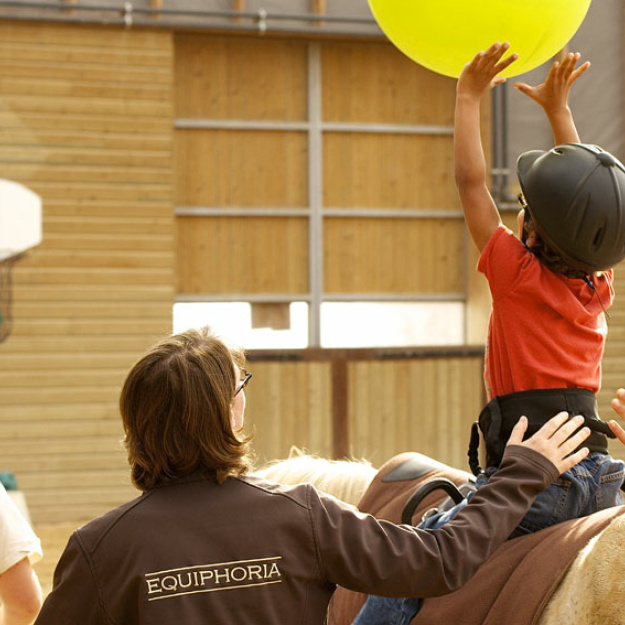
x=576 y=197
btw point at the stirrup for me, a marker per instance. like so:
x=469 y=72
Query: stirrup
x=441 y=483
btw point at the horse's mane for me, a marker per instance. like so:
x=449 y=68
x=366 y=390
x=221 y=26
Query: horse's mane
x=344 y=479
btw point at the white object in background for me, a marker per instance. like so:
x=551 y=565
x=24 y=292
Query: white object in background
x=20 y=219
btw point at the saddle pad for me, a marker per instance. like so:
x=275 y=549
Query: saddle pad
x=385 y=498
x=512 y=587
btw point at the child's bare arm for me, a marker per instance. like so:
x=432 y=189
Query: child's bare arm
x=477 y=78
x=553 y=96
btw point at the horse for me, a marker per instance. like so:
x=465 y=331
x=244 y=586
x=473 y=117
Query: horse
x=346 y=480
x=585 y=584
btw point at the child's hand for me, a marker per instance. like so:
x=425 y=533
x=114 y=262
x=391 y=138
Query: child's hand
x=555 y=440
x=618 y=404
x=480 y=75
x=553 y=94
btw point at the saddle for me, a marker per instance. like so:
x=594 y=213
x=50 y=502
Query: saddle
x=512 y=587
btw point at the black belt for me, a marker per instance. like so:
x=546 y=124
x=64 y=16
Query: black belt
x=502 y=413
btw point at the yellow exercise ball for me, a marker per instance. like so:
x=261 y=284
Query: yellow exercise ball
x=444 y=35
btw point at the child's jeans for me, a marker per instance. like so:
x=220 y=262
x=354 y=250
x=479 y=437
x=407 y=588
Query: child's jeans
x=591 y=485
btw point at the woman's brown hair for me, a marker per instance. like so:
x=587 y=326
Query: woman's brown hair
x=175 y=407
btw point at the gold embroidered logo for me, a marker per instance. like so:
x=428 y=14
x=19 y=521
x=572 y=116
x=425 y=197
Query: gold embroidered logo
x=212 y=577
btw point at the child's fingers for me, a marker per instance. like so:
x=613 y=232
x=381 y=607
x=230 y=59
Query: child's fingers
x=579 y=71
x=506 y=62
x=618 y=431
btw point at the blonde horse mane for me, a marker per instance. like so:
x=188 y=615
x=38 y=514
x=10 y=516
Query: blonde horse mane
x=344 y=479
x=593 y=591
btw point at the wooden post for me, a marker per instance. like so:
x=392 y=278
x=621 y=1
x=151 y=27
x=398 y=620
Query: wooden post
x=156 y=4
x=69 y=4
x=340 y=411
x=319 y=8
x=238 y=5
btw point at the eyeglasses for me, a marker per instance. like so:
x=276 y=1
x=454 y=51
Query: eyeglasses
x=247 y=376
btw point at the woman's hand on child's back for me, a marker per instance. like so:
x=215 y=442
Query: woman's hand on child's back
x=556 y=440
x=481 y=74
x=618 y=405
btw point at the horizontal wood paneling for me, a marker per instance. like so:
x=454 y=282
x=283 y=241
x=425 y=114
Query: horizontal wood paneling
x=86 y=122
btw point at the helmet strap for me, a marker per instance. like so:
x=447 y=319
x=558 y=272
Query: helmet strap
x=589 y=282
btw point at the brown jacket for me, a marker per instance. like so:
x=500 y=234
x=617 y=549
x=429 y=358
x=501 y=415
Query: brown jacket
x=250 y=552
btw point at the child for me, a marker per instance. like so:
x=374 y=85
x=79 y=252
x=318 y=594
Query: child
x=550 y=290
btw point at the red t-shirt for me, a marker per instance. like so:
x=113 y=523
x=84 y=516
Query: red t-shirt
x=546 y=330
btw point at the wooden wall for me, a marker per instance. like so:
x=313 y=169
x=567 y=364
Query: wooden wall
x=85 y=121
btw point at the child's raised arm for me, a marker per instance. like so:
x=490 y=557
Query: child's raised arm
x=477 y=78
x=553 y=96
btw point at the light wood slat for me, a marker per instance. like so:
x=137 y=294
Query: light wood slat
x=76 y=344
x=96 y=106
x=95 y=242
x=30 y=123
x=62 y=447
x=61 y=429
x=89 y=91
x=64 y=462
x=83 y=310
x=13 y=380
x=25 y=64
x=33 y=275
x=92 y=139
x=97 y=293
x=91 y=327
x=98 y=258
x=67 y=411
x=101 y=157
x=82 y=174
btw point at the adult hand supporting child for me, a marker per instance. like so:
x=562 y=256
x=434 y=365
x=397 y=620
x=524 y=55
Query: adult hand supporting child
x=556 y=440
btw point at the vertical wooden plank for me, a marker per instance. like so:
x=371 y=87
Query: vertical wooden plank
x=319 y=8
x=340 y=409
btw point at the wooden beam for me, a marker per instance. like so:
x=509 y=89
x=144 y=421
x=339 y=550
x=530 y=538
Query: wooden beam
x=319 y=8
x=156 y=4
x=238 y=5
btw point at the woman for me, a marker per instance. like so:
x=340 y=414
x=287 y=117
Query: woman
x=206 y=543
